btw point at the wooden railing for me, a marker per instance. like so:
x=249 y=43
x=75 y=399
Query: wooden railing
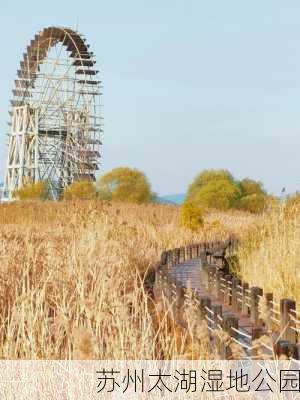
x=228 y=304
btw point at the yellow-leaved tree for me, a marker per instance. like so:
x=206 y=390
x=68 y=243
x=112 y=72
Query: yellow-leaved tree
x=32 y=191
x=214 y=189
x=125 y=184
x=219 y=190
x=191 y=216
x=84 y=190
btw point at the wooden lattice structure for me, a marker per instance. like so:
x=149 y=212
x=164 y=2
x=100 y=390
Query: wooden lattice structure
x=55 y=118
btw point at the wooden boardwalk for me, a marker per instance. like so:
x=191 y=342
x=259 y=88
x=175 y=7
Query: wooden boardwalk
x=190 y=274
x=227 y=303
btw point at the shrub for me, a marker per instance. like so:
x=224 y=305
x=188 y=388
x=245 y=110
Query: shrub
x=206 y=177
x=33 y=191
x=249 y=186
x=125 y=184
x=254 y=203
x=84 y=190
x=218 y=189
x=191 y=216
x=220 y=194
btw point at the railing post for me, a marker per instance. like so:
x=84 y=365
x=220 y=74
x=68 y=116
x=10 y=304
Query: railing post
x=228 y=289
x=169 y=259
x=204 y=275
x=188 y=253
x=229 y=322
x=179 y=302
x=165 y=286
x=255 y=292
x=269 y=307
x=286 y=348
x=204 y=301
x=217 y=283
x=234 y=296
x=178 y=255
x=287 y=324
x=197 y=250
x=174 y=257
x=245 y=288
x=194 y=255
x=211 y=270
x=222 y=292
x=217 y=310
x=203 y=256
x=182 y=252
x=164 y=258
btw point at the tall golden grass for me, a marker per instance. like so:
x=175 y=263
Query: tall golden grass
x=270 y=253
x=73 y=278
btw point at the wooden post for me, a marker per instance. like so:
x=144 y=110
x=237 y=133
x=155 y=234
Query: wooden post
x=203 y=257
x=164 y=258
x=187 y=253
x=222 y=286
x=269 y=306
x=211 y=270
x=228 y=289
x=193 y=251
x=204 y=301
x=204 y=275
x=169 y=259
x=217 y=289
x=286 y=348
x=174 y=257
x=210 y=252
x=234 y=296
x=255 y=292
x=229 y=322
x=217 y=309
x=257 y=332
x=178 y=255
x=245 y=288
x=165 y=286
x=179 y=302
x=182 y=252
x=287 y=311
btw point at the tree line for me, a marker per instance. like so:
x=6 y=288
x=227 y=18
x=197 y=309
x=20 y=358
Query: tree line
x=216 y=189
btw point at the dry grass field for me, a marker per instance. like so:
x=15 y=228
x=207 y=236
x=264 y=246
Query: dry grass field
x=270 y=253
x=73 y=276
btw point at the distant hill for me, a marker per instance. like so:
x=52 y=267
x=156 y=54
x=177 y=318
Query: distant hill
x=172 y=199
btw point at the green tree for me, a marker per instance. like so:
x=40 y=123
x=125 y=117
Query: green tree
x=84 y=190
x=191 y=216
x=253 y=196
x=218 y=189
x=219 y=194
x=205 y=177
x=33 y=191
x=254 y=203
x=249 y=186
x=125 y=184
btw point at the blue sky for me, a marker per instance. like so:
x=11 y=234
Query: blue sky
x=188 y=84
